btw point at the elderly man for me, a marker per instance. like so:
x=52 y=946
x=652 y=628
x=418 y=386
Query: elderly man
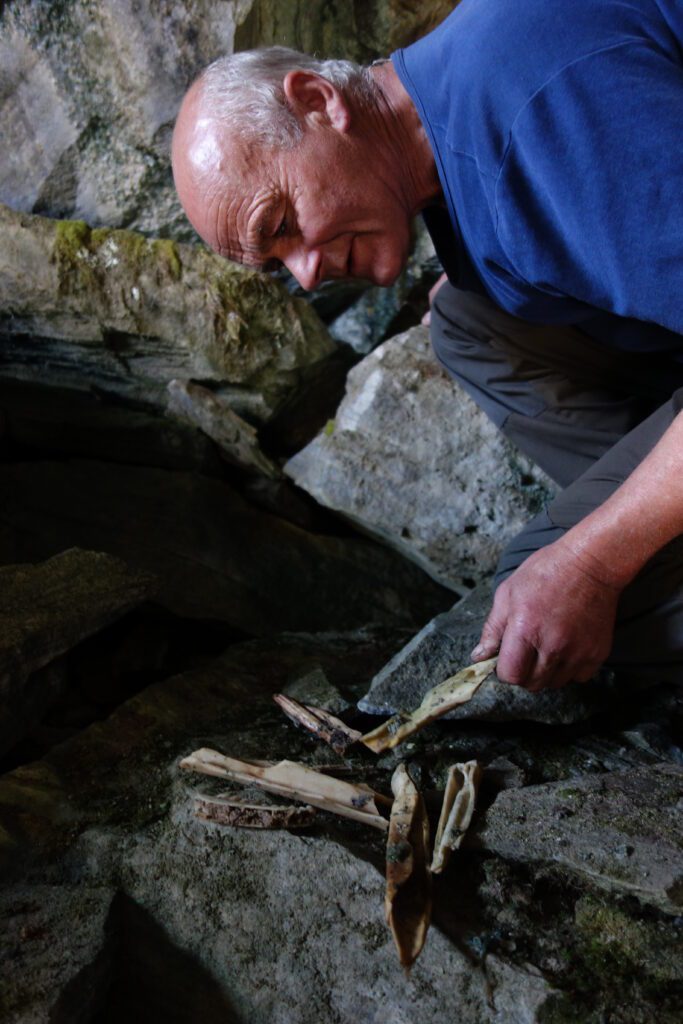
x=542 y=141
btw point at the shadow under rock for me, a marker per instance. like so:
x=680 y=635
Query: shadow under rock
x=154 y=980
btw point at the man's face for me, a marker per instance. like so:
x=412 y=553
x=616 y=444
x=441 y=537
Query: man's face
x=325 y=208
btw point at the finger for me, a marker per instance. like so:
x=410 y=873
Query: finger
x=427 y=318
x=489 y=641
x=517 y=659
x=550 y=676
x=585 y=673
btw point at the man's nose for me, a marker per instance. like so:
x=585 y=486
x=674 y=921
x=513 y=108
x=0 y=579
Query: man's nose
x=305 y=266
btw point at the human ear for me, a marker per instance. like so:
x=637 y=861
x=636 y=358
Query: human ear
x=316 y=100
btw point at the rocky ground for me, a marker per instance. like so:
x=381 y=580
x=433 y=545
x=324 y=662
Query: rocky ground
x=213 y=491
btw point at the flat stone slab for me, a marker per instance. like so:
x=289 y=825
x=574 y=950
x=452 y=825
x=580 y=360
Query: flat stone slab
x=444 y=646
x=45 y=610
x=622 y=831
x=411 y=459
x=267 y=927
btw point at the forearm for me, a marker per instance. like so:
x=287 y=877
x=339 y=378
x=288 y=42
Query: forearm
x=616 y=540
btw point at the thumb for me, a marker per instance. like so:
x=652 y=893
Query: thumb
x=491 y=637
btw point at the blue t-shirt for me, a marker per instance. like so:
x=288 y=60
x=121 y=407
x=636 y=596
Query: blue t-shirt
x=557 y=129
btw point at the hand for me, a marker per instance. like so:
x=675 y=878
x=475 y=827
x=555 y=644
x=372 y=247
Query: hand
x=432 y=292
x=552 y=621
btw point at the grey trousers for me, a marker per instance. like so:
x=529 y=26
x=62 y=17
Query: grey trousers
x=587 y=415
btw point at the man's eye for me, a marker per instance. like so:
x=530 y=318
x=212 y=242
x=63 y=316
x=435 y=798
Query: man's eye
x=282 y=228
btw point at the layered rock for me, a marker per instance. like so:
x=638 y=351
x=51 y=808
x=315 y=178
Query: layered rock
x=109 y=311
x=215 y=555
x=411 y=459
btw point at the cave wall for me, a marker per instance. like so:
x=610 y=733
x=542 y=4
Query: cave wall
x=89 y=89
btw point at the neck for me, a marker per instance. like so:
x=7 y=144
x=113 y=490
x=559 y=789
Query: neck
x=397 y=124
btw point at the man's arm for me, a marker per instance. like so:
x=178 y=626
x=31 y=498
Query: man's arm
x=552 y=621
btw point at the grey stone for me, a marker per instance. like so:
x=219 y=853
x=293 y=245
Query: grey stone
x=237 y=440
x=215 y=555
x=90 y=89
x=622 y=831
x=444 y=646
x=57 y=952
x=518 y=992
x=412 y=460
x=113 y=312
x=269 y=928
x=315 y=688
x=235 y=925
x=45 y=610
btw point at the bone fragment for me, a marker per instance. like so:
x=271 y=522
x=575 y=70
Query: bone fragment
x=438 y=701
x=456 y=811
x=228 y=810
x=289 y=779
x=321 y=723
x=408 y=899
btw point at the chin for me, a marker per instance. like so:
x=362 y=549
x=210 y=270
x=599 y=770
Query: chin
x=387 y=275
x=385 y=278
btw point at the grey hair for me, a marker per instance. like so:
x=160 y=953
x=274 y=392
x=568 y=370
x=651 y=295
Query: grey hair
x=244 y=91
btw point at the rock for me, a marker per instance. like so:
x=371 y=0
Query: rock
x=112 y=312
x=45 y=610
x=58 y=949
x=265 y=927
x=236 y=439
x=91 y=89
x=412 y=460
x=280 y=927
x=61 y=421
x=518 y=993
x=444 y=646
x=621 y=831
x=215 y=556
x=315 y=688
x=90 y=92
x=359 y=31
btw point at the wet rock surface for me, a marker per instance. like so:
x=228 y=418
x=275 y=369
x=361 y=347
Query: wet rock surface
x=412 y=460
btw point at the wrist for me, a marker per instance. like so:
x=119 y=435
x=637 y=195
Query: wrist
x=608 y=551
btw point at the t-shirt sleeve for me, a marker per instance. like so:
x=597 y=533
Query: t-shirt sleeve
x=589 y=198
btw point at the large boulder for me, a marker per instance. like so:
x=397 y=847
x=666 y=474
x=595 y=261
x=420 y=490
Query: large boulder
x=411 y=459
x=111 y=311
x=90 y=89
